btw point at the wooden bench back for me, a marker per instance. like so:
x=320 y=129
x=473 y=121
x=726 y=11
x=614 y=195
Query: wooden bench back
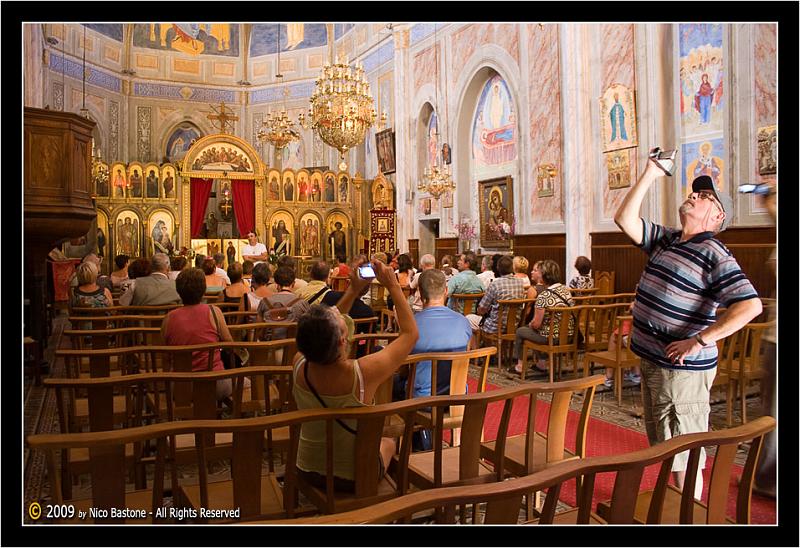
x=248 y=444
x=503 y=499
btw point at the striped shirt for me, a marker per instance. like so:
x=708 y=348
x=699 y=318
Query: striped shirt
x=501 y=289
x=679 y=292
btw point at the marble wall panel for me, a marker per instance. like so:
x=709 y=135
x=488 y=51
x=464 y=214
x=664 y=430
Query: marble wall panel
x=425 y=67
x=617 y=67
x=545 y=131
x=466 y=40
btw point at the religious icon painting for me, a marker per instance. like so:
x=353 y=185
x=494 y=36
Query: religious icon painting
x=329 y=186
x=303 y=185
x=447 y=199
x=127 y=229
x=310 y=236
x=152 y=181
x=135 y=180
x=274 y=185
x=169 y=185
x=200 y=246
x=101 y=177
x=618 y=118
x=118 y=177
x=545 y=181
x=315 y=193
x=767 y=150
x=619 y=171
x=496 y=204
x=385 y=145
x=162 y=231
x=704 y=157
x=280 y=231
x=337 y=228
x=288 y=186
x=343 y=184
x=232 y=251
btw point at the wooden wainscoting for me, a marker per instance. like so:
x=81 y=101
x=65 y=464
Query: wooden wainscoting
x=537 y=247
x=751 y=246
x=413 y=251
x=445 y=246
x=613 y=251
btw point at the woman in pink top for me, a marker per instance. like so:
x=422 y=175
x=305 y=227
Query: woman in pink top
x=197 y=323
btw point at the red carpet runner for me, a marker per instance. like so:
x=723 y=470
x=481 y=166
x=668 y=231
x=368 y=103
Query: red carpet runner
x=605 y=438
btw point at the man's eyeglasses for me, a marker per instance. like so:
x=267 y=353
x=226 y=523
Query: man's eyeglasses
x=704 y=195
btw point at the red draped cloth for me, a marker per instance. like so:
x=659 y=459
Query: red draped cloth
x=244 y=205
x=200 y=190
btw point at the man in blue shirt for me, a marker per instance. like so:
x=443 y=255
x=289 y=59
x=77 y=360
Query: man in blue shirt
x=441 y=330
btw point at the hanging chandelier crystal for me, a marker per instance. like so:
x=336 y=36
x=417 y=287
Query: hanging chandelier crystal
x=342 y=109
x=278 y=129
x=438 y=178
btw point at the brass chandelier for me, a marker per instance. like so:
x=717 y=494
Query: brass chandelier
x=278 y=129
x=342 y=109
x=437 y=178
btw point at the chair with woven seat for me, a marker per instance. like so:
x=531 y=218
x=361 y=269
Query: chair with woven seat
x=469 y=300
x=621 y=357
x=509 y=317
x=562 y=317
x=533 y=451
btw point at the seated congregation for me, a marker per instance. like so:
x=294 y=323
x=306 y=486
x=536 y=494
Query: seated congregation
x=349 y=399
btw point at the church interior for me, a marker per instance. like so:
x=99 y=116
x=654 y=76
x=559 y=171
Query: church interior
x=308 y=147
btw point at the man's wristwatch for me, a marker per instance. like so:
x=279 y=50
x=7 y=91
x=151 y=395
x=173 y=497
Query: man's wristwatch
x=699 y=339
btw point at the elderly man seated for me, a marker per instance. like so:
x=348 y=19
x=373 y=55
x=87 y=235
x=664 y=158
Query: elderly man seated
x=156 y=289
x=466 y=281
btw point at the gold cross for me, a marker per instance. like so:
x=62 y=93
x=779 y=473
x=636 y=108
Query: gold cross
x=226 y=208
x=224 y=118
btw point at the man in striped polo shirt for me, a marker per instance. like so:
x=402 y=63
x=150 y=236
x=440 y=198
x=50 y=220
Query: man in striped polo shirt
x=689 y=274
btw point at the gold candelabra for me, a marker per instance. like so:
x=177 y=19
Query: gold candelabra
x=342 y=108
x=278 y=129
x=438 y=179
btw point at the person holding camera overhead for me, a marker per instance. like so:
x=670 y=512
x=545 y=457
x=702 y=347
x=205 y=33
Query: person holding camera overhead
x=688 y=275
x=324 y=376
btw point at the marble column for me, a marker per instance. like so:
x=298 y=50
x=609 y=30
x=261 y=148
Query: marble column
x=403 y=126
x=581 y=173
x=34 y=65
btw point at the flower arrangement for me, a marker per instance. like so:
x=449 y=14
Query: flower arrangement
x=274 y=257
x=467 y=232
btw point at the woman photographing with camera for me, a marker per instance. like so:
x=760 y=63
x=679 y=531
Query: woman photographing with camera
x=326 y=378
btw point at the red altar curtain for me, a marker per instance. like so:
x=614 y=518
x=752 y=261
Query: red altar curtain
x=199 y=190
x=244 y=205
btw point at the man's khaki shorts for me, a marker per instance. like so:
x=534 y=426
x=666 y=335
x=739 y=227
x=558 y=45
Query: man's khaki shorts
x=676 y=402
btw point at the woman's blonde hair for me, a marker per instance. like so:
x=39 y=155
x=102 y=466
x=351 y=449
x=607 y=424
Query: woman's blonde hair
x=521 y=264
x=87 y=273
